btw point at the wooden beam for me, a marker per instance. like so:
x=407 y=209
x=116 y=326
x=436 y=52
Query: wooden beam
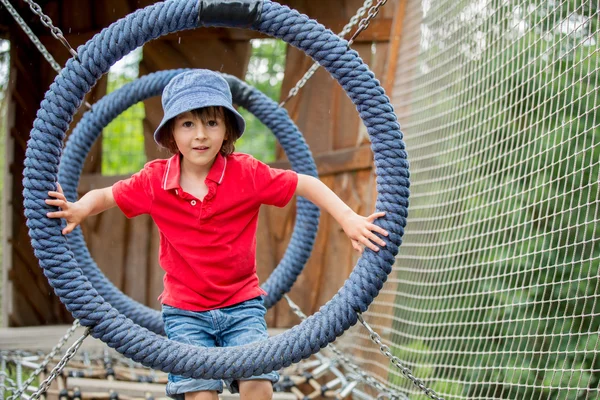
x=395 y=39
x=97 y=181
x=43 y=338
x=378 y=31
x=97 y=387
x=334 y=162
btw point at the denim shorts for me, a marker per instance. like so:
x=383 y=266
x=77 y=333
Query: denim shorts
x=235 y=325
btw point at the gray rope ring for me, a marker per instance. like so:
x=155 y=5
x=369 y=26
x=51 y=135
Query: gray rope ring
x=115 y=329
x=266 y=110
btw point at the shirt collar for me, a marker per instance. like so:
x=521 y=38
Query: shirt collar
x=173 y=171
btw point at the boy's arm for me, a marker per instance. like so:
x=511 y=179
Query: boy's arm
x=92 y=203
x=358 y=228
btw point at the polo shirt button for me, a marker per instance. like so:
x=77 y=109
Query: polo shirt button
x=193 y=202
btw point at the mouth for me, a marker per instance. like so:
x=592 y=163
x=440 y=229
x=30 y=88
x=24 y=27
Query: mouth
x=200 y=148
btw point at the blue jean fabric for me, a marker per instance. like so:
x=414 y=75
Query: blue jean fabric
x=236 y=325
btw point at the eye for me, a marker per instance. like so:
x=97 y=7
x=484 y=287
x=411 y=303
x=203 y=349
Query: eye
x=187 y=124
x=212 y=123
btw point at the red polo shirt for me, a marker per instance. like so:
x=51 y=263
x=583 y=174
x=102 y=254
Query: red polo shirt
x=208 y=247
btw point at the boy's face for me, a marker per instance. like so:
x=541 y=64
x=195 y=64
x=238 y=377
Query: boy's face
x=199 y=142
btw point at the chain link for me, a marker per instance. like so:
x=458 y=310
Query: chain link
x=364 y=24
x=31 y=35
x=353 y=21
x=60 y=366
x=365 y=377
x=56 y=371
x=55 y=31
x=385 y=350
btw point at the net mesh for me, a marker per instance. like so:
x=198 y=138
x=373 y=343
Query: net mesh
x=495 y=292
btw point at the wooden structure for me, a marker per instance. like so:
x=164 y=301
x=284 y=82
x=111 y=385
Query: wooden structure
x=323 y=112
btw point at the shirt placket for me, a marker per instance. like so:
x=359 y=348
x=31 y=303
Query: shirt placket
x=206 y=204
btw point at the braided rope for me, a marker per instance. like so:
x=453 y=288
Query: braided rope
x=266 y=110
x=140 y=344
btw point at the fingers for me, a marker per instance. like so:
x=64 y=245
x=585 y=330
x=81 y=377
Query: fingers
x=57 y=214
x=367 y=243
x=57 y=203
x=57 y=195
x=374 y=216
x=373 y=238
x=59 y=188
x=356 y=246
x=69 y=228
x=377 y=229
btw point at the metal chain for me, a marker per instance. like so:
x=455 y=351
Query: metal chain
x=58 y=369
x=31 y=35
x=364 y=24
x=367 y=378
x=385 y=350
x=353 y=21
x=56 y=32
x=60 y=366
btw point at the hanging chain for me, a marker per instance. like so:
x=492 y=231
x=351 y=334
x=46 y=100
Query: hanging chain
x=57 y=370
x=56 y=32
x=353 y=21
x=364 y=24
x=385 y=350
x=31 y=35
x=387 y=392
x=47 y=359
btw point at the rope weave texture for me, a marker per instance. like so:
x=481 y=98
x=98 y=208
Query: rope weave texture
x=115 y=329
x=265 y=109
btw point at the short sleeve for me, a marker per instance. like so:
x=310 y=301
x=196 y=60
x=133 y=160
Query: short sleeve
x=274 y=186
x=134 y=195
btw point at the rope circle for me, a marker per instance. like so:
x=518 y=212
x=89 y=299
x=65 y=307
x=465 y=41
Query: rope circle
x=148 y=348
x=266 y=110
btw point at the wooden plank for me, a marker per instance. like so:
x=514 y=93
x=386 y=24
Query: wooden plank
x=338 y=161
x=92 y=181
x=43 y=338
x=105 y=236
x=137 y=389
x=378 y=30
x=137 y=255
x=155 y=272
x=265 y=254
x=76 y=15
x=6 y=206
x=306 y=290
x=311 y=109
x=394 y=45
x=337 y=257
x=347 y=131
x=279 y=223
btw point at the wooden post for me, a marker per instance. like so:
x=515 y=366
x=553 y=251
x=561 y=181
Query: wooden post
x=7 y=177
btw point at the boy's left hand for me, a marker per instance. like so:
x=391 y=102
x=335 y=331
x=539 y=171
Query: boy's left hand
x=360 y=231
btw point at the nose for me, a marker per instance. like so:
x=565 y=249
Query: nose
x=200 y=131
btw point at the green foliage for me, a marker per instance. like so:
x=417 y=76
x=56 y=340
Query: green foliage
x=519 y=314
x=123 y=139
x=265 y=72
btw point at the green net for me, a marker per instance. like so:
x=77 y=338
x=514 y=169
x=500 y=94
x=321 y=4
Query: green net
x=495 y=292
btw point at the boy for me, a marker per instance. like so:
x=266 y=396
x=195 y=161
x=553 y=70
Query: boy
x=205 y=202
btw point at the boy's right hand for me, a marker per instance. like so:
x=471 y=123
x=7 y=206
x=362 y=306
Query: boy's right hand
x=73 y=213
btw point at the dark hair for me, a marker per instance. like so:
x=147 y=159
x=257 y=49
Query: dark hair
x=204 y=114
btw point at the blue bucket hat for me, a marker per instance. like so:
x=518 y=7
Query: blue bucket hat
x=196 y=89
